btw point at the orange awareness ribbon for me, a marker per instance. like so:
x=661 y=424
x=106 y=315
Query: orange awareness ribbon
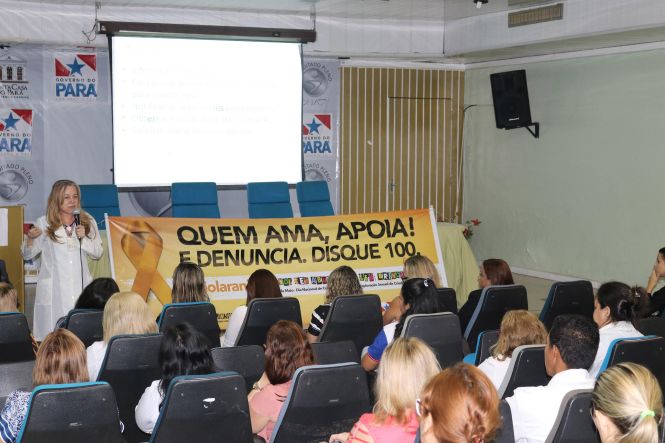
x=143 y=246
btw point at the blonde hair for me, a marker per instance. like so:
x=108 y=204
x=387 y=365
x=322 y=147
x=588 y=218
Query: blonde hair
x=406 y=365
x=60 y=359
x=422 y=267
x=8 y=298
x=518 y=328
x=55 y=199
x=627 y=393
x=127 y=313
x=189 y=284
x=342 y=281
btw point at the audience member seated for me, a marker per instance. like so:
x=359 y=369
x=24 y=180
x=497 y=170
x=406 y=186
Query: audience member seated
x=183 y=351
x=341 y=281
x=416 y=266
x=261 y=284
x=406 y=366
x=60 y=359
x=419 y=297
x=572 y=344
x=657 y=299
x=124 y=313
x=8 y=298
x=493 y=272
x=518 y=328
x=287 y=349
x=616 y=306
x=94 y=296
x=460 y=405
x=189 y=284
x=627 y=405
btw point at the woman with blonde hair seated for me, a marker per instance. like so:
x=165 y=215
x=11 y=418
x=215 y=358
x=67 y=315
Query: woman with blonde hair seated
x=459 y=405
x=124 y=313
x=417 y=266
x=60 y=359
x=8 y=298
x=627 y=405
x=189 y=284
x=518 y=328
x=407 y=364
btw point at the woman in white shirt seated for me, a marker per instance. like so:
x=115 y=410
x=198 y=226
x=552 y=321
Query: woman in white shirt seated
x=124 y=313
x=261 y=284
x=518 y=328
x=616 y=307
x=183 y=351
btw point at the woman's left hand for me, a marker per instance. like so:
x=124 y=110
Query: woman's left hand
x=80 y=231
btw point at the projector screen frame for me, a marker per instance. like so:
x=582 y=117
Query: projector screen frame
x=170 y=30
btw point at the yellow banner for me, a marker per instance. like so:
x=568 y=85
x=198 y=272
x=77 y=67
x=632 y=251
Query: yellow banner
x=301 y=252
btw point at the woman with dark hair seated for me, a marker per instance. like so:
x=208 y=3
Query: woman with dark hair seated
x=420 y=297
x=657 y=298
x=184 y=351
x=287 y=349
x=493 y=272
x=97 y=293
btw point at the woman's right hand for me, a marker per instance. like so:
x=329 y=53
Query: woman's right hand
x=34 y=232
x=653 y=280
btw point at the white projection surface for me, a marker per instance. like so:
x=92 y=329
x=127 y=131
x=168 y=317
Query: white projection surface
x=205 y=110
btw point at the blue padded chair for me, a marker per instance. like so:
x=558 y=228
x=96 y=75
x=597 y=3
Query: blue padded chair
x=269 y=200
x=204 y=408
x=75 y=413
x=15 y=341
x=526 y=368
x=494 y=302
x=574 y=423
x=98 y=200
x=314 y=199
x=569 y=297
x=486 y=340
x=646 y=351
x=194 y=200
x=201 y=315
x=86 y=324
x=323 y=400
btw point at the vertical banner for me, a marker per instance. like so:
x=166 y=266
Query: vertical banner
x=301 y=252
x=321 y=86
x=21 y=129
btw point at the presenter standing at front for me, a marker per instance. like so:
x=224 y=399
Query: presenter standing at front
x=65 y=238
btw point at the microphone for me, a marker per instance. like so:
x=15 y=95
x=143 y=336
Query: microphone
x=77 y=216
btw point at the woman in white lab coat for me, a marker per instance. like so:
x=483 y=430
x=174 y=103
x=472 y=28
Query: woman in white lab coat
x=64 y=246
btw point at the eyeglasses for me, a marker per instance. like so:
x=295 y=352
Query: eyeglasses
x=420 y=409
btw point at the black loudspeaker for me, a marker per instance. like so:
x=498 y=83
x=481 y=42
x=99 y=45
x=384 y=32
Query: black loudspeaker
x=511 y=99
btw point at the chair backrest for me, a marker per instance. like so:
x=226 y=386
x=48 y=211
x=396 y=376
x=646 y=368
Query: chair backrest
x=15 y=376
x=494 y=302
x=262 y=313
x=527 y=368
x=98 y=200
x=486 y=340
x=73 y=413
x=201 y=315
x=314 y=198
x=130 y=365
x=569 y=297
x=505 y=434
x=332 y=352
x=15 y=341
x=86 y=324
x=441 y=331
x=248 y=361
x=204 y=409
x=447 y=299
x=269 y=200
x=317 y=407
x=652 y=326
x=194 y=200
x=353 y=317
x=647 y=351
x=573 y=423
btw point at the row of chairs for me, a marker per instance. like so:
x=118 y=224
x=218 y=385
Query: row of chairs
x=199 y=200
x=202 y=408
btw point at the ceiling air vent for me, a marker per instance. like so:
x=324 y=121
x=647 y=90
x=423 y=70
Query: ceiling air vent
x=535 y=15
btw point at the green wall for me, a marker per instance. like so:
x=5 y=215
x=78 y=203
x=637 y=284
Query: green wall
x=586 y=199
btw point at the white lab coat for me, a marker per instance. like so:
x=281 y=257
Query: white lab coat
x=59 y=282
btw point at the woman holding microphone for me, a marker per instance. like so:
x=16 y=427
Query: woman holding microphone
x=64 y=238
